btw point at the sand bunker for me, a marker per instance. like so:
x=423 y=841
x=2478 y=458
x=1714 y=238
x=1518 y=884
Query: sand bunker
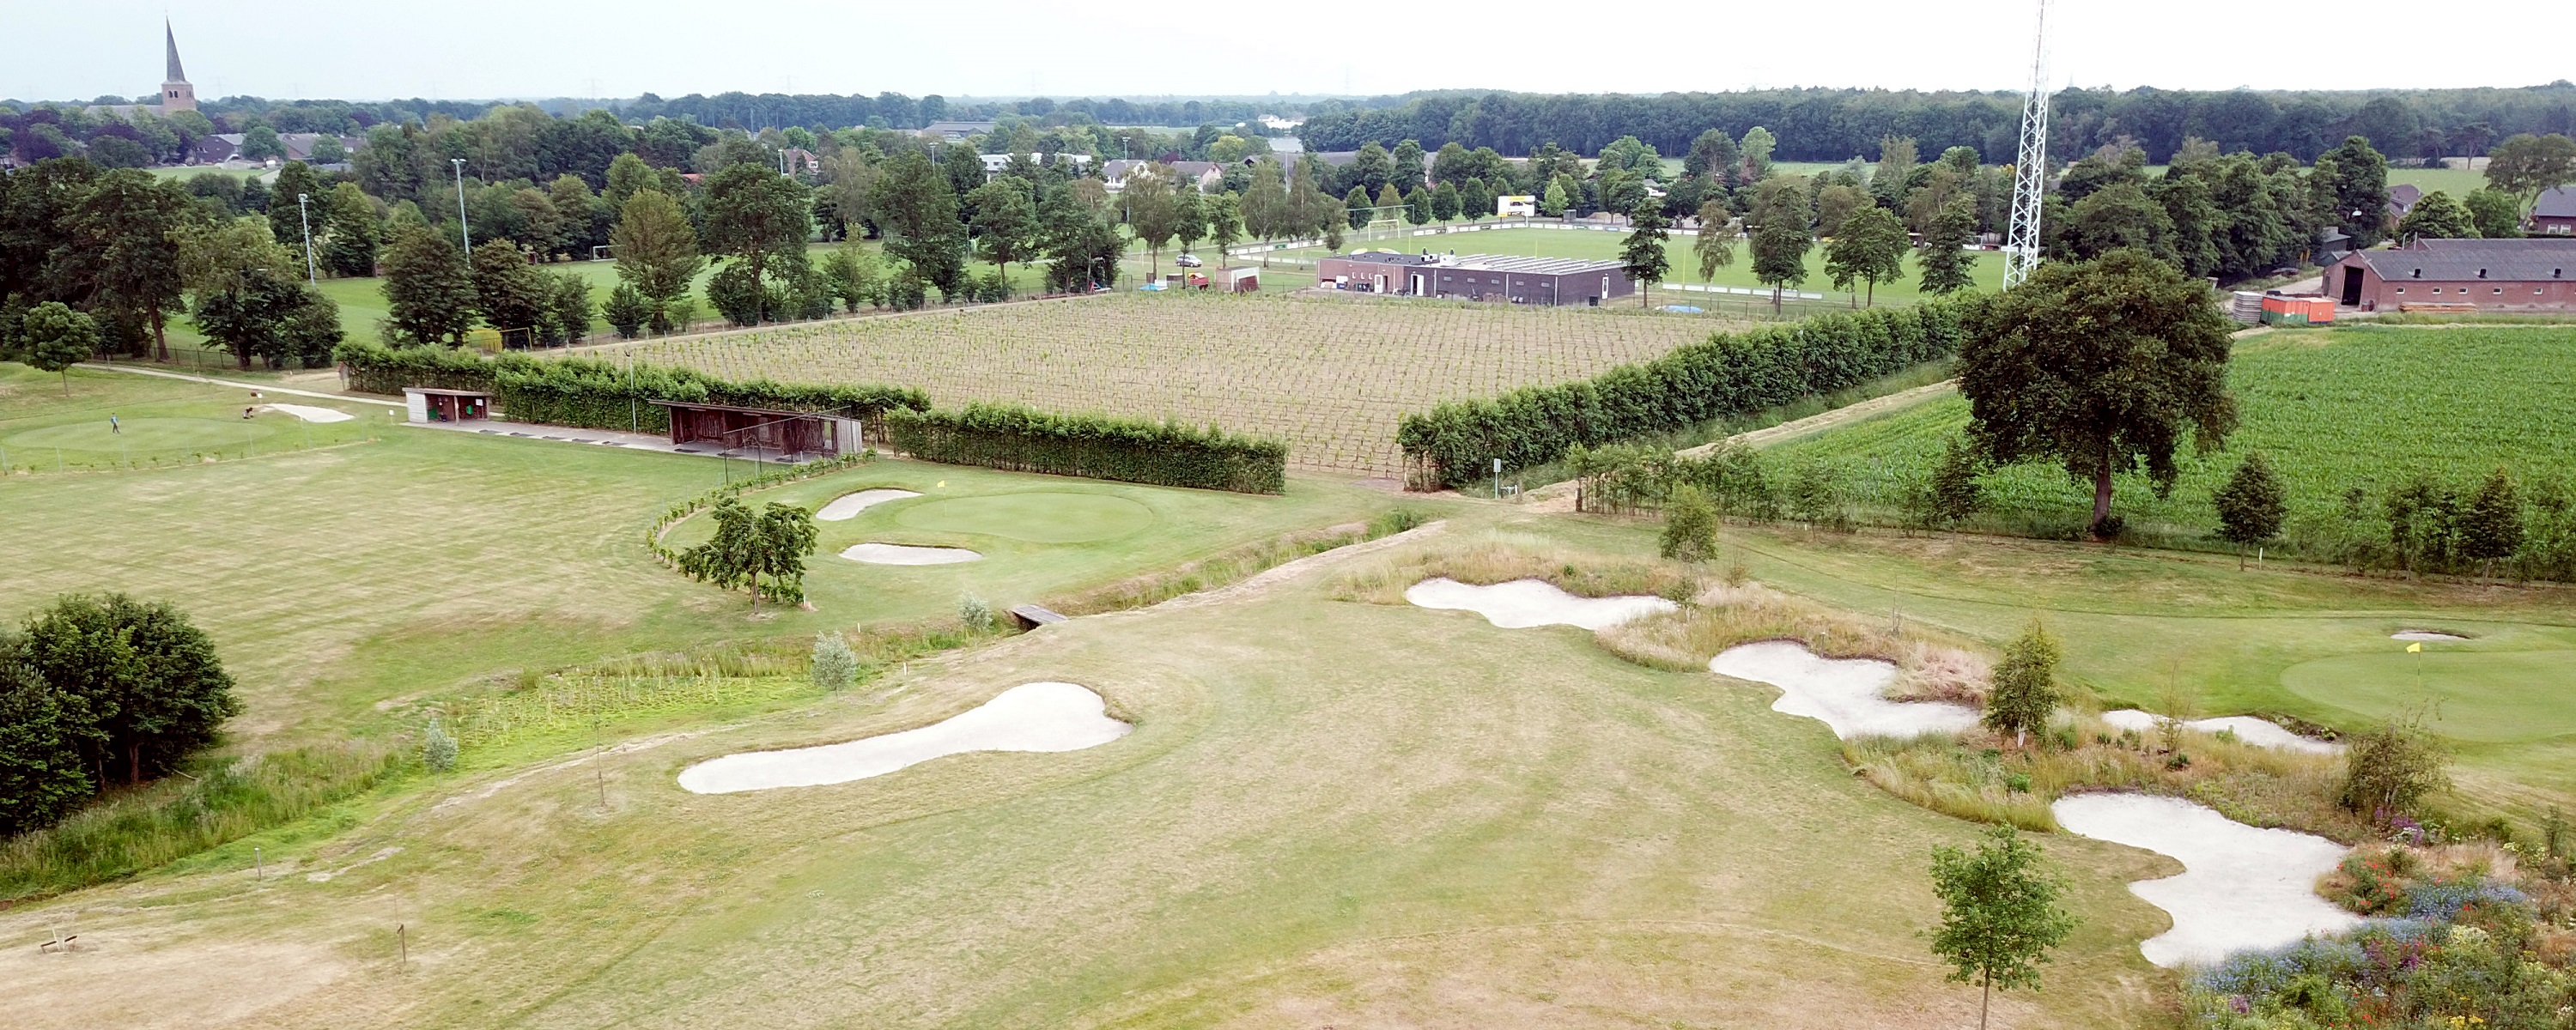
x=1028 y=717
x=310 y=413
x=1847 y=693
x=847 y=505
x=2424 y=634
x=2240 y=888
x=2258 y=732
x=903 y=554
x=1523 y=603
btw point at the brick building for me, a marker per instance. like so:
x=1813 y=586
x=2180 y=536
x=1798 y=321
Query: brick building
x=2555 y=214
x=2493 y=275
x=1519 y=280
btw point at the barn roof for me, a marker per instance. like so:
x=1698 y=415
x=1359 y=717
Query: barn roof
x=2559 y=202
x=2526 y=260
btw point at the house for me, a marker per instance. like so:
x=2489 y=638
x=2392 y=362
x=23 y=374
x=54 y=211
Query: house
x=799 y=161
x=1209 y=175
x=2490 y=275
x=2555 y=214
x=2401 y=199
x=996 y=164
x=1519 y=280
x=955 y=131
x=226 y=146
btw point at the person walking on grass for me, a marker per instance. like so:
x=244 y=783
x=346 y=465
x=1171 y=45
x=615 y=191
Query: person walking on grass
x=112 y=428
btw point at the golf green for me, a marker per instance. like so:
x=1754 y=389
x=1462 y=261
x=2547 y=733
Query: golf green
x=145 y=434
x=1039 y=518
x=2484 y=697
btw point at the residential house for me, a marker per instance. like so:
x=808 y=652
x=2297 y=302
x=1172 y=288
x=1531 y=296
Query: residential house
x=2555 y=214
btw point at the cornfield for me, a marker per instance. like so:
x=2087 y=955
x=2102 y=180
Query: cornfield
x=1332 y=378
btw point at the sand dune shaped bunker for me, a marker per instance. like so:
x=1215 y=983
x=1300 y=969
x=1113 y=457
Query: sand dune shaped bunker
x=1043 y=716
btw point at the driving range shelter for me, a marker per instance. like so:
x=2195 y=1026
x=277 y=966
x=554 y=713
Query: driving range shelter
x=762 y=432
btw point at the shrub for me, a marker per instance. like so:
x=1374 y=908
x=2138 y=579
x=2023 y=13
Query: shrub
x=835 y=665
x=2390 y=769
x=437 y=748
x=1128 y=450
x=1395 y=520
x=1690 y=527
x=974 y=614
x=2024 y=690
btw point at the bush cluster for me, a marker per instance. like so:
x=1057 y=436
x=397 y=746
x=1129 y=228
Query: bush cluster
x=1099 y=447
x=596 y=394
x=1729 y=374
x=98 y=688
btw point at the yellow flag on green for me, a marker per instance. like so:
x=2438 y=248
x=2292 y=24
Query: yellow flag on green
x=2412 y=648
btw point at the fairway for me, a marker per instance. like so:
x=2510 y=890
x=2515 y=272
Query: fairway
x=1045 y=518
x=163 y=422
x=1331 y=377
x=2334 y=409
x=2467 y=695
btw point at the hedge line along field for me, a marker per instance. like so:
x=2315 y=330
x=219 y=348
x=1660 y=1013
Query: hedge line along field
x=1332 y=378
x=2356 y=406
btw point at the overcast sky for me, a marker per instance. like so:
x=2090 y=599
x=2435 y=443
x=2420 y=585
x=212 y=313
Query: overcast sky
x=79 y=49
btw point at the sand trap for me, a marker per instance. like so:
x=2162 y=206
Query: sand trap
x=1523 y=603
x=903 y=554
x=2424 y=634
x=1847 y=693
x=310 y=413
x=847 y=505
x=2241 y=887
x=1028 y=717
x=2258 y=732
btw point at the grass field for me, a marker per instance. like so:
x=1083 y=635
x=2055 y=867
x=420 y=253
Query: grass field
x=1595 y=245
x=1332 y=378
x=2332 y=409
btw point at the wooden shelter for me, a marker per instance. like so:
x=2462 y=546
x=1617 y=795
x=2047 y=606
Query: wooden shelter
x=432 y=404
x=793 y=435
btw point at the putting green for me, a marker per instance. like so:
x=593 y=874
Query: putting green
x=1039 y=518
x=146 y=434
x=2484 y=697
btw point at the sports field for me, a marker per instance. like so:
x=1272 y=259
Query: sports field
x=1331 y=377
x=2332 y=409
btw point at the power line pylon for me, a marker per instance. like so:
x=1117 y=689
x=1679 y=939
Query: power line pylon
x=2030 y=169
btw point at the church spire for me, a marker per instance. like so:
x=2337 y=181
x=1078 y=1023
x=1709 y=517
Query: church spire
x=171 y=39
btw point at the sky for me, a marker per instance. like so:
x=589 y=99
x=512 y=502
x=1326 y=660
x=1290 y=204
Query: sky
x=480 y=49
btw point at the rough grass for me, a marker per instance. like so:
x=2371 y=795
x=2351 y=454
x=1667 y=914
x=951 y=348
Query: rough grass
x=181 y=815
x=1931 y=665
x=1229 y=566
x=1503 y=557
x=1980 y=776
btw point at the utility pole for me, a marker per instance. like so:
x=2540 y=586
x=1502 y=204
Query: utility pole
x=462 y=229
x=305 y=215
x=2030 y=167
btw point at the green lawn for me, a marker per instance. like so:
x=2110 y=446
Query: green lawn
x=2332 y=409
x=1597 y=245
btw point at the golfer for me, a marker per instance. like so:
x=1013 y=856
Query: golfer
x=112 y=427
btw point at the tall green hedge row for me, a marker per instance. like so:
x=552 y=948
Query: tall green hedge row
x=1729 y=374
x=595 y=394
x=1023 y=440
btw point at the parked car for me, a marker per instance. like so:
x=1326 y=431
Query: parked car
x=1186 y=260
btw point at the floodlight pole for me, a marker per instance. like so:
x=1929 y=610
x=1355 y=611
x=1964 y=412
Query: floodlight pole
x=462 y=229
x=305 y=215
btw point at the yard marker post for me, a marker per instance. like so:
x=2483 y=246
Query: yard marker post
x=258 y=871
x=402 y=941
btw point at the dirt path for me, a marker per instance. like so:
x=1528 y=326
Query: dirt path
x=1559 y=497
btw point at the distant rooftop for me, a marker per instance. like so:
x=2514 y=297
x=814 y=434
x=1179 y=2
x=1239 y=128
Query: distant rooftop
x=2526 y=260
x=1488 y=262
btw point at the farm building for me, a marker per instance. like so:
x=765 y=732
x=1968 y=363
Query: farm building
x=763 y=432
x=2555 y=214
x=956 y=131
x=2402 y=199
x=1520 y=280
x=2493 y=275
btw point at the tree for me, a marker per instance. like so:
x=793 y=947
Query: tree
x=1476 y=200
x=1948 y=265
x=429 y=296
x=854 y=277
x=1444 y=202
x=1835 y=204
x=2491 y=522
x=1153 y=211
x=1553 y=202
x=834 y=665
x=657 y=252
x=2495 y=214
x=1871 y=249
x=1356 y=204
x=2000 y=915
x=1890 y=181
x=116 y=259
x=2355 y=182
x=1715 y=244
x=349 y=231
x=2250 y=505
x=1642 y=256
x=784 y=535
x=2114 y=217
x=148 y=678
x=2022 y=693
x=1224 y=223
x=1417 y=206
x=2100 y=365
x=2527 y=166
x=1756 y=147
x=247 y=296
x=42 y=775
x=1953 y=491
x=260 y=143
x=1193 y=227
x=1690 y=526
x=509 y=293
x=2439 y=217
x=57 y=338
x=627 y=310
x=287 y=219
x=760 y=220
x=1006 y=221
x=1780 y=256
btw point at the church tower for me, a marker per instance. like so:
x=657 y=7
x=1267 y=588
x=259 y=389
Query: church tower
x=176 y=93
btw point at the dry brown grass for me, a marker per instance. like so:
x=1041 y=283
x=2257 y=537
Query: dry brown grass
x=1930 y=666
x=1504 y=557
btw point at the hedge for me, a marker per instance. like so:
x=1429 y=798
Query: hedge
x=1729 y=374
x=594 y=394
x=1024 y=440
